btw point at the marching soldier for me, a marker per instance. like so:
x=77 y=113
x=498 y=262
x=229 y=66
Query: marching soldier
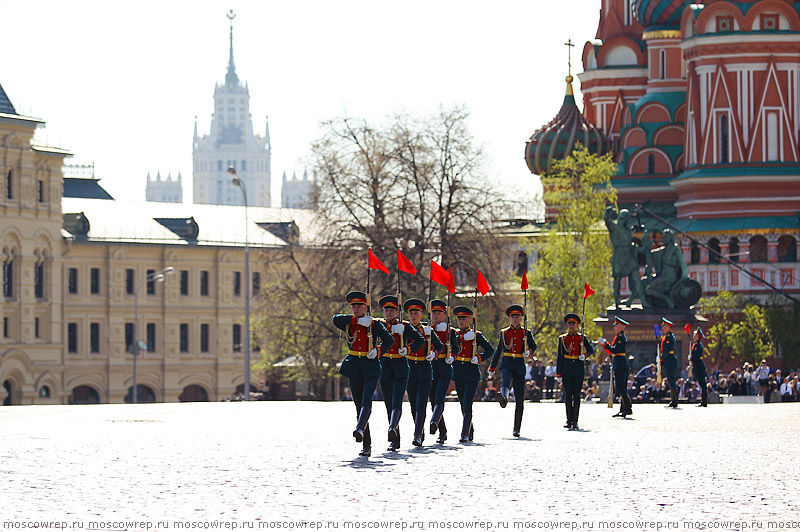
x=619 y=366
x=515 y=344
x=361 y=364
x=699 y=366
x=442 y=367
x=394 y=366
x=570 y=367
x=466 y=369
x=669 y=362
x=420 y=368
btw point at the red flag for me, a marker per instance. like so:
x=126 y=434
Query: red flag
x=439 y=275
x=524 y=285
x=687 y=328
x=483 y=286
x=451 y=285
x=376 y=264
x=587 y=290
x=404 y=265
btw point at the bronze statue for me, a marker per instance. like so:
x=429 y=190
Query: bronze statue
x=624 y=260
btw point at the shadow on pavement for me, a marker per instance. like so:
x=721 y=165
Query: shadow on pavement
x=364 y=462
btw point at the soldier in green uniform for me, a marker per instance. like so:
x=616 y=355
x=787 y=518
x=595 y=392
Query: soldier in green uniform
x=669 y=361
x=619 y=365
x=570 y=367
x=466 y=368
x=699 y=366
x=361 y=364
x=514 y=346
x=442 y=367
x=394 y=366
x=420 y=369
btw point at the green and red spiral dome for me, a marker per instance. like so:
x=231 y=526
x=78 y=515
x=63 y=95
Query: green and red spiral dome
x=659 y=12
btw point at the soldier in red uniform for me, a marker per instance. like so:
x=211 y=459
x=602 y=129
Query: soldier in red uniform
x=442 y=367
x=570 y=367
x=361 y=364
x=515 y=345
x=466 y=368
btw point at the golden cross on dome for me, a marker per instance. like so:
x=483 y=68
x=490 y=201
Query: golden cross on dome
x=569 y=46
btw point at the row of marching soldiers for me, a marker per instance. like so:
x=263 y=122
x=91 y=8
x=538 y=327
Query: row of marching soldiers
x=422 y=358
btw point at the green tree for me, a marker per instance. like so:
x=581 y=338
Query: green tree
x=724 y=311
x=574 y=250
x=782 y=320
x=750 y=339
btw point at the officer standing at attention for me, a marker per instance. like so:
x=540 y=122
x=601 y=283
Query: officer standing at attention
x=361 y=364
x=698 y=365
x=394 y=366
x=442 y=367
x=669 y=362
x=420 y=369
x=466 y=369
x=619 y=365
x=570 y=367
x=515 y=345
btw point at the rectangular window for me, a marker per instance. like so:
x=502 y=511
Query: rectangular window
x=151 y=282
x=237 y=283
x=151 y=337
x=10 y=185
x=787 y=277
x=5 y=327
x=94 y=280
x=8 y=279
x=41 y=191
x=724 y=23
x=734 y=278
x=713 y=279
x=204 y=283
x=38 y=280
x=773 y=139
x=758 y=273
x=723 y=138
x=184 y=282
x=72 y=337
x=204 y=338
x=237 y=338
x=256 y=283
x=129 y=280
x=72 y=280
x=129 y=337
x=769 y=22
x=36 y=332
x=184 y=338
x=94 y=337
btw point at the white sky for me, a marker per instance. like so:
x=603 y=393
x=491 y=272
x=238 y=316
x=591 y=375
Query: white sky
x=120 y=84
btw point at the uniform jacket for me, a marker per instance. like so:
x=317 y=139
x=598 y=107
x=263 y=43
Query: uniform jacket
x=569 y=346
x=511 y=341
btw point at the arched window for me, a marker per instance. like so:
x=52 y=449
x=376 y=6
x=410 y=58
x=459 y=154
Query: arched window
x=44 y=392
x=787 y=249
x=144 y=394
x=522 y=263
x=758 y=249
x=85 y=395
x=10 y=185
x=695 y=253
x=733 y=249
x=193 y=393
x=714 y=251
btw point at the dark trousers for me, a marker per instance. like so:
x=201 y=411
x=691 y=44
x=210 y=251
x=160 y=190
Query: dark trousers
x=418 y=392
x=512 y=378
x=621 y=389
x=466 y=395
x=362 y=390
x=572 y=396
x=393 y=391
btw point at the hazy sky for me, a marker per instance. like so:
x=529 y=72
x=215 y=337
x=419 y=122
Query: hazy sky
x=119 y=84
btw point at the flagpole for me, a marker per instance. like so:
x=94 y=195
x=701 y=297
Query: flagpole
x=400 y=305
x=525 y=319
x=583 y=323
x=430 y=323
x=369 y=313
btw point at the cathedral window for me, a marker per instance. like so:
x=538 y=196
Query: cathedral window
x=769 y=22
x=772 y=137
x=663 y=64
x=733 y=249
x=651 y=164
x=10 y=185
x=724 y=23
x=723 y=138
x=714 y=251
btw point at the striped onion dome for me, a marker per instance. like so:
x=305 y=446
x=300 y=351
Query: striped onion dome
x=659 y=12
x=556 y=140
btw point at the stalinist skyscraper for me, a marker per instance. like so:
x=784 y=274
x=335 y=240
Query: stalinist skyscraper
x=231 y=143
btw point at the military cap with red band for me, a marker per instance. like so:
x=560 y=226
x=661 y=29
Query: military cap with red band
x=388 y=301
x=357 y=298
x=462 y=311
x=438 y=304
x=413 y=304
x=514 y=310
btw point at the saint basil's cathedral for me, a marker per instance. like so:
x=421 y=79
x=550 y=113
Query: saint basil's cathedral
x=700 y=104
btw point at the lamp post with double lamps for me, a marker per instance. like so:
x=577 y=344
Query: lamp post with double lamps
x=237 y=181
x=136 y=346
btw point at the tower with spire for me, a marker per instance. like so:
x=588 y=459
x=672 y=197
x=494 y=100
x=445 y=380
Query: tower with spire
x=231 y=142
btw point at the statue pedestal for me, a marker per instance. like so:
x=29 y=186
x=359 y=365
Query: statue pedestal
x=642 y=341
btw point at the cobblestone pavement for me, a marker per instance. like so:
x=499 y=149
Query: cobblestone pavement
x=273 y=461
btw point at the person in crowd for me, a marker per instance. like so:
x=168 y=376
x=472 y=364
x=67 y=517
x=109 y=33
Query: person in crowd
x=549 y=379
x=787 y=391
x=762 y=374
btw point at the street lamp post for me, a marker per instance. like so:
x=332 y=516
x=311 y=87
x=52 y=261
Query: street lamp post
x=237 y=181
x=137 y=345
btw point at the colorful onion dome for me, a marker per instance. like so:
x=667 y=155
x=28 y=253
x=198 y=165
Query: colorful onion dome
x=556 y=140
x=659 y=12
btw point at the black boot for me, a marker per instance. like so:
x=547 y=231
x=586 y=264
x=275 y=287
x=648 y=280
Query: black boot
x=361 y=424
x=517 y=422
x=366 y=447
x=442 y=431
x=394 y=429
x=465 y=428
x=435 y=417
x=704 y=397
x=568 y=407
x=674 y=397
x=503 y=397
x=471 y=431
x=419 y=429
x=576 y=408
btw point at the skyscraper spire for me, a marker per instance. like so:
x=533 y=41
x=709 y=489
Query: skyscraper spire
x=231 y=79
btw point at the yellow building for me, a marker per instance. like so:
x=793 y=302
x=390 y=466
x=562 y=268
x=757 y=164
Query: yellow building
x=75 y=267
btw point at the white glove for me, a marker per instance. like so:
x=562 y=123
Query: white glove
x=426 y=330
x=602 y=341
x=365 y=321
x=469 y=335
x=449 y=359
x=558 y=379
x=431 y=356
x=491 y=371
x=475 y=360
x=582 y=357
x=528 y=353
x=403 y=351
x=441 y=327
x=398 y=328
x=372 y=354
